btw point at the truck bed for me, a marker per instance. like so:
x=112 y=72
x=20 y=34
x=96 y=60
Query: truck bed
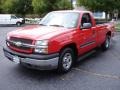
x=101 y=21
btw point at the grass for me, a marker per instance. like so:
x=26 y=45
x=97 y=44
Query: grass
x=118 y=27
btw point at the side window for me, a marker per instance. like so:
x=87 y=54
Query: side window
x=13 y=17
x=86 y=18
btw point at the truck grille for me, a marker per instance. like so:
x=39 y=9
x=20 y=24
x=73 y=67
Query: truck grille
x=20 y=44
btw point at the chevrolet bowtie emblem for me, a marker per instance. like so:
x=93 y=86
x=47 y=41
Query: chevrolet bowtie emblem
x=18 y=44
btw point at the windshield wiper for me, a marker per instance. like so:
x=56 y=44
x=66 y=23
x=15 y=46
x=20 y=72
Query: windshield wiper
x=56 y=25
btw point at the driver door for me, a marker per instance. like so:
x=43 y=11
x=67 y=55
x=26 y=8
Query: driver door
x=88 y=34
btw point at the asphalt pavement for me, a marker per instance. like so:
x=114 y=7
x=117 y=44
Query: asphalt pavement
x=99 y=71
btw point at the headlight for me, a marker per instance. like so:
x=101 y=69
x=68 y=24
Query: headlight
x=41 y=43
x=41 y=46
x=8 y=38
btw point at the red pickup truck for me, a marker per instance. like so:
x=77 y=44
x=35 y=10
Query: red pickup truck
x=58 y=40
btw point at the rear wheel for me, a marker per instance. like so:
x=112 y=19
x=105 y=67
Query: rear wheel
x=18 y=24
x=66 y=60
x=106 y=44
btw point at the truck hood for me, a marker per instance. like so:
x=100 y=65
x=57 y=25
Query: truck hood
x=38 y=32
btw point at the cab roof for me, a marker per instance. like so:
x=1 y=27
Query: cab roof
x=78 y=11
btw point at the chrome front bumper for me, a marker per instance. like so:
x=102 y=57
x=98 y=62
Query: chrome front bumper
x=41 y=62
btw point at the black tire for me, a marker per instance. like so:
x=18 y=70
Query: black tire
x=106 y=44
x=18 y=24
x=66 y=57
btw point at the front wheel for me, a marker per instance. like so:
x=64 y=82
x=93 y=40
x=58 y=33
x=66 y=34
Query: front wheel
x=106 y=44
x=66 y=60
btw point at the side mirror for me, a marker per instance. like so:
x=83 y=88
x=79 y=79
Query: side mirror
x=86 y=25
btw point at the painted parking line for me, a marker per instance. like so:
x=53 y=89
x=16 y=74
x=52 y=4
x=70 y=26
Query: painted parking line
x=98 y=74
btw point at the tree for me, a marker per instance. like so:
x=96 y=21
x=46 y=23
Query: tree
x=107 y=6
x=42 y=7
x=1 y=2
x=1 y=5
x=17 y=6
x=23 y=7
x=8 y=6
x=63 y=4
x=39 y=6
x=101 y=5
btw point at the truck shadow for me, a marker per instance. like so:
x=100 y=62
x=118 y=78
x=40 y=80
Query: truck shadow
x=93 y=56
x=46 y=75
x=35 y=74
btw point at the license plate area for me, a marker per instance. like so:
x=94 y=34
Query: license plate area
x=13 y=58
x=16 y=59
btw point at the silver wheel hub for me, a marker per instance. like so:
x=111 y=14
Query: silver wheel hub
x=18 y=24
x=67 y=61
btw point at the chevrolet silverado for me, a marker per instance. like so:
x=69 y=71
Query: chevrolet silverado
x=58 y=40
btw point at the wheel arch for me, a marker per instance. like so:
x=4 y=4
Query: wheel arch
x=73 y=46
x=109 y=33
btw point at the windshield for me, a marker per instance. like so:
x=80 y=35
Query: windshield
x=60 y=19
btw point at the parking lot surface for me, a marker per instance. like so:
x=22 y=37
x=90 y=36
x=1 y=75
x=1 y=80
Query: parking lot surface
x=99 y=71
